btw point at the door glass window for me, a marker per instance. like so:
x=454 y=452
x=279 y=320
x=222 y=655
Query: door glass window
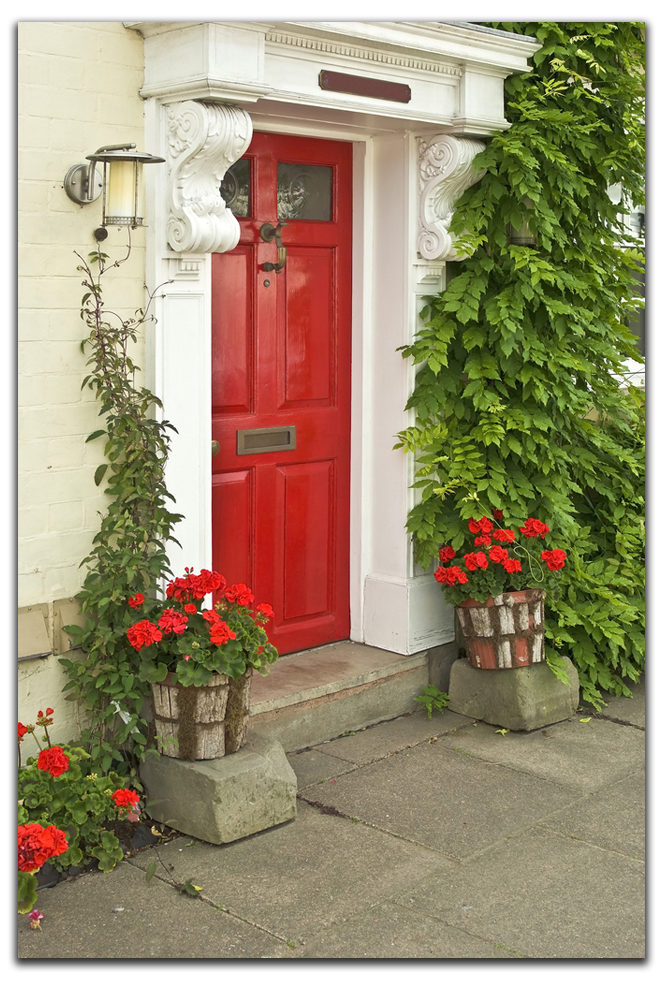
x=304 y=191
x=235 y=188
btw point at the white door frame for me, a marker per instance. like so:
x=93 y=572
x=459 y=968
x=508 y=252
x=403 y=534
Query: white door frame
x=404 y=170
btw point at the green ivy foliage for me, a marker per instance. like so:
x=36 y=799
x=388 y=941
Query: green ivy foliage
x=129 y=552
x=519 y=403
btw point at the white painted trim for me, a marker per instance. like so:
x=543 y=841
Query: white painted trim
x=393 y=606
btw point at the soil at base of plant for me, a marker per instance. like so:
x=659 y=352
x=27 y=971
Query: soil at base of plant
x=132 y=838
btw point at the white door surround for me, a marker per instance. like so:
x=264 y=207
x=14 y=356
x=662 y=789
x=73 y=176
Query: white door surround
x=208 y=86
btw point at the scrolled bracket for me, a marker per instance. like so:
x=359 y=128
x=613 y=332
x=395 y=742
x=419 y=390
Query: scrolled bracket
x=445 y=173
x=204 y=139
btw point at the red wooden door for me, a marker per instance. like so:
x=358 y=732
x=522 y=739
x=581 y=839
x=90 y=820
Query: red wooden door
x=281 y=361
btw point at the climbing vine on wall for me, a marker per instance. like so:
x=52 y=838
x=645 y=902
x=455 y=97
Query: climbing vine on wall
x=519 y=403
x=129 y=552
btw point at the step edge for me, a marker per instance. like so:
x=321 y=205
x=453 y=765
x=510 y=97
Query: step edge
x=341 y=685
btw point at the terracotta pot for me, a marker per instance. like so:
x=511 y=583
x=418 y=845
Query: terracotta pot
x=197 y=723
x=504 y=632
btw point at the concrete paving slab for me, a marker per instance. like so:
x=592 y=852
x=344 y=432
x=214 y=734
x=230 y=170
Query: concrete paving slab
x=152 y=921
x=454 y=803
x=612 y=819
x=393 y=735
x=584 y=756
x=391 y=931
x=546 y=895
x=312 y=767
x=304 y=876
x=624 y=708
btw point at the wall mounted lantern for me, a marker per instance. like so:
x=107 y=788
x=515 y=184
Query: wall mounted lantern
x=120 y=184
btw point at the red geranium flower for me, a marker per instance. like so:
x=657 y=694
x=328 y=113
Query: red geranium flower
x=37 y=844
x=533 y=527
x=555 y=559
x=220 y=633
x=23 y=730
x=512 y=566
x=54 y=760
x=143 y=633
x=497 y=554
x=450 y=576
x=211 y=616
x=475 y=560
x=172 y=621
x=504 y=535
x=190 y=608
x=480 y=525
x=265 y=610
x=238 y=594
x=136 y=601
x=446 y=553
x=497 y=515
x=483 y=540
x=125 y=798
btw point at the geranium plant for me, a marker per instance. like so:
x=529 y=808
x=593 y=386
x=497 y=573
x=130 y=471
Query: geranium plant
x=61 y=788
x=37 y=844
x=195 y=642
x=499 y=562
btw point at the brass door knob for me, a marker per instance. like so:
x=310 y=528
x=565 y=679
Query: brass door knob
x=215 y=447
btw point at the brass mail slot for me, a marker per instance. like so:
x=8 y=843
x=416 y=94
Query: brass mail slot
x=266 y=439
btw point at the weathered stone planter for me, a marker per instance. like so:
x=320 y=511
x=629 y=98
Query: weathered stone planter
x=199 y=723
x=504 y=632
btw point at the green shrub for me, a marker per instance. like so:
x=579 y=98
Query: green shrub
x=518 y=403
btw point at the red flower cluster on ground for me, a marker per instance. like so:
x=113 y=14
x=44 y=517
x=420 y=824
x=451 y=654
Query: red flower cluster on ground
x=195 y=586
x=37 y=844
x=54 y=760
x=172 y=621
x=143 y=634
x=125 y=798
x=533 y=527
x=136 y=601
x=555 y=559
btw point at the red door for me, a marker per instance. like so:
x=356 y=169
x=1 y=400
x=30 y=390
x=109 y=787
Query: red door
x=281 y=364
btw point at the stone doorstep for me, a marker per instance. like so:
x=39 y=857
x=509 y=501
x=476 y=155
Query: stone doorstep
x=315 y=695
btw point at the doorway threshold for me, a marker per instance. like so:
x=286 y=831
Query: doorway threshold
x=315 y=695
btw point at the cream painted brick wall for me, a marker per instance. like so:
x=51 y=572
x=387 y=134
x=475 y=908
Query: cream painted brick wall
x=78 y=88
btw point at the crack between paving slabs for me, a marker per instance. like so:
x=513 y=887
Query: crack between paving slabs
x=459 y=928
x=217 y=907
x=383 y=757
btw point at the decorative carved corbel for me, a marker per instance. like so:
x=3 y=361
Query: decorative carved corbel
x=445 y=173
x=204 y=140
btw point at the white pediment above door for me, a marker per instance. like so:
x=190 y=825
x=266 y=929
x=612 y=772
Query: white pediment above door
x=388 y=76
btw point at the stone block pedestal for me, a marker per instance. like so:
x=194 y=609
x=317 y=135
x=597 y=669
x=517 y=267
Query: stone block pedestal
x=224 y=799
x=519 y=699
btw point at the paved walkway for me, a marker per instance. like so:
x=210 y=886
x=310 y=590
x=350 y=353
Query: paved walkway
x=415 y=839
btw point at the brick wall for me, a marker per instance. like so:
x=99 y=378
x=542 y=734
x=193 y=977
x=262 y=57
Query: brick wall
x=78 y=90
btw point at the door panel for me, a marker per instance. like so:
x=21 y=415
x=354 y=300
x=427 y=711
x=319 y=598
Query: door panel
x=281 y=357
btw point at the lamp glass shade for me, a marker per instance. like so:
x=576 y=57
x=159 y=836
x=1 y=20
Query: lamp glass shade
x=122 y=206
